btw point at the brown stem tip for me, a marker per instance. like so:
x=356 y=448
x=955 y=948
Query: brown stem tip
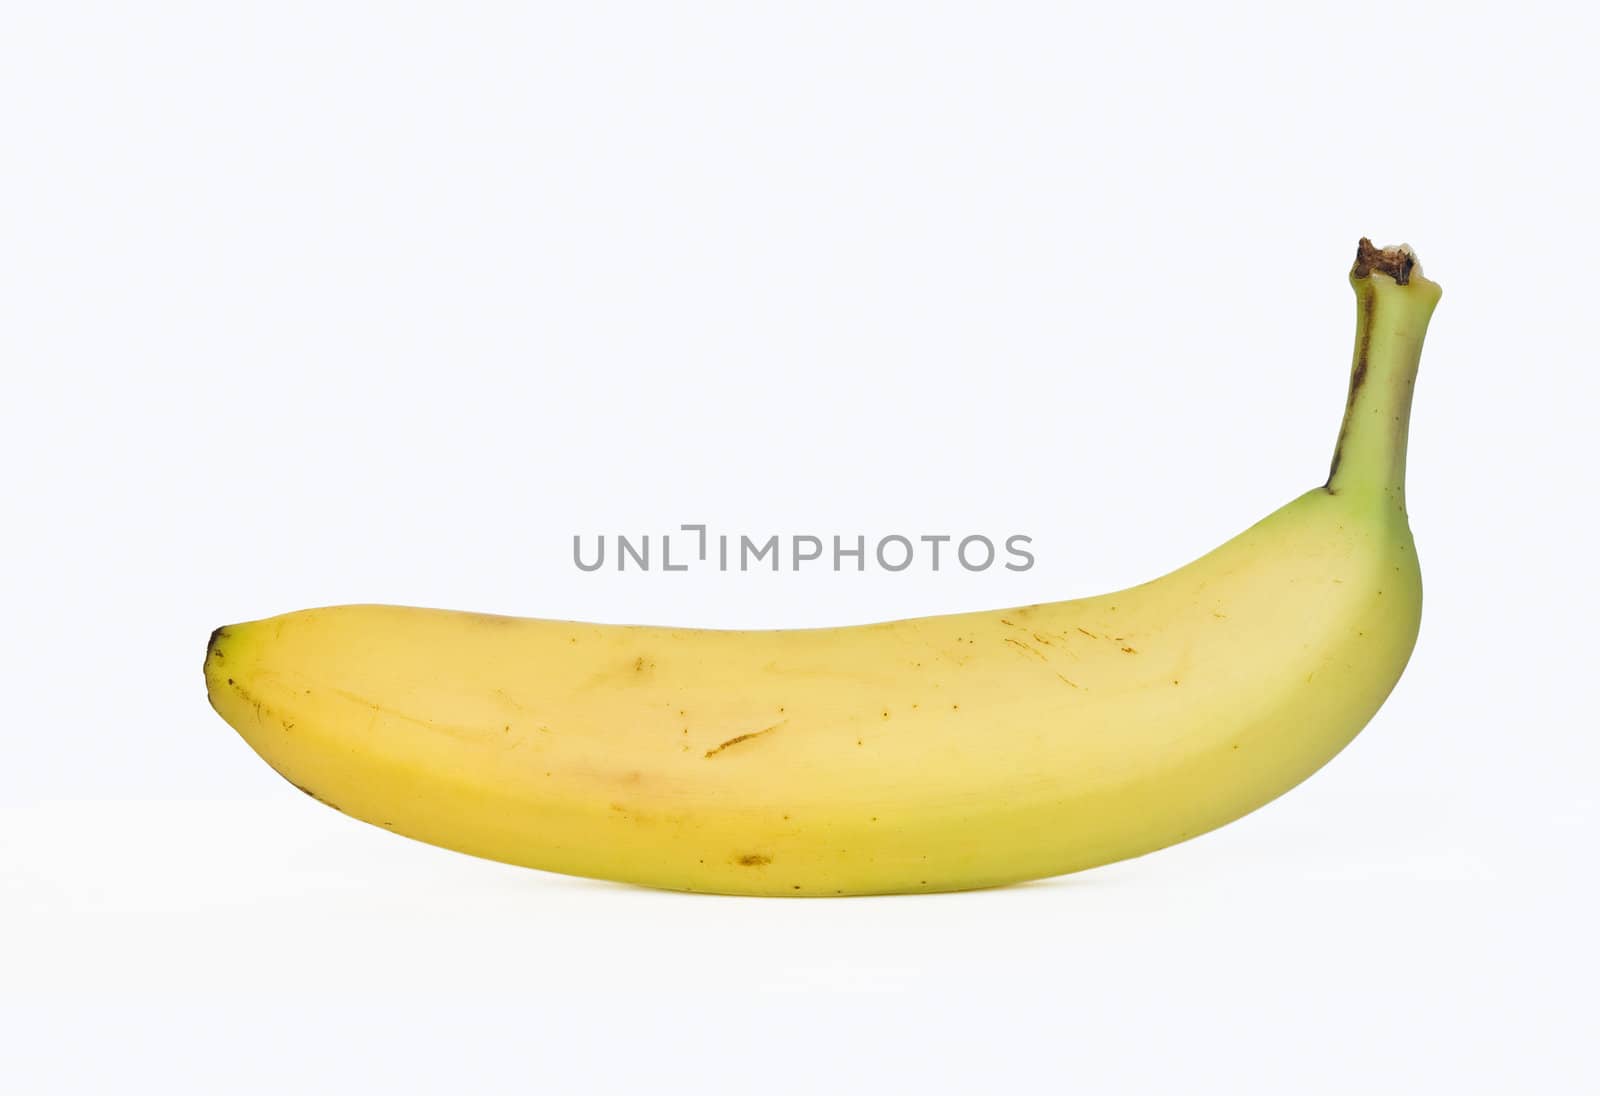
x=1397 y=262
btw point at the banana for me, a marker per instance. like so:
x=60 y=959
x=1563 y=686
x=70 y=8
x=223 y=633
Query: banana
x=935 y=754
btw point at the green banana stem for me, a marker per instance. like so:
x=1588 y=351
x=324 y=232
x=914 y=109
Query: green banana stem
x=1393 y=304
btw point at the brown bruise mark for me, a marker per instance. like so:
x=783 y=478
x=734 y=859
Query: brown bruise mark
x=255 y=704
x=1358 y=374
x=1129 y=651
x=752 y=860
x=315 y=796
x=456 y=731
x=1032 y=650
x=1088 y=633
x=738 y=738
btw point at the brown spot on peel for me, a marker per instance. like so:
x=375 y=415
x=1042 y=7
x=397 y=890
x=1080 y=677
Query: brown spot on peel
x=736 y=739
x=1034 y=651
x=753 y=860
x=315 y=796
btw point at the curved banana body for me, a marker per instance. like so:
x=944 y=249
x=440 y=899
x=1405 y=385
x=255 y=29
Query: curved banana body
x=932 y=754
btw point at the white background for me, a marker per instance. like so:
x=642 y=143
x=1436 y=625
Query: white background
x=315 y=303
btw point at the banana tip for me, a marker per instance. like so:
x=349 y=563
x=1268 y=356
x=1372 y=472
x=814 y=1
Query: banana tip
x=214 y=653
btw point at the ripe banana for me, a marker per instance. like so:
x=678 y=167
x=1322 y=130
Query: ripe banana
x=935 y=754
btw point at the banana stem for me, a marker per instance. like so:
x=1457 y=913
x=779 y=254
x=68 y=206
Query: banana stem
x=1393 y=304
